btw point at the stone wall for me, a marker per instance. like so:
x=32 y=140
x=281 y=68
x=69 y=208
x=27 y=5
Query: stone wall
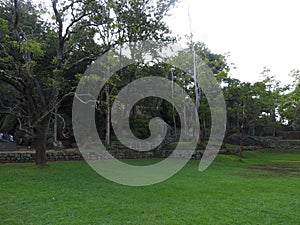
x=285 y=144
x=14 y=157
x=263 y=141
x=294 y=135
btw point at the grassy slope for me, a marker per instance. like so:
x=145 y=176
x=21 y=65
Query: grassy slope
x=229 y=192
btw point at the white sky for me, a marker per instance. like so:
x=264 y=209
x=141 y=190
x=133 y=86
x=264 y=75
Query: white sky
x=257 y=33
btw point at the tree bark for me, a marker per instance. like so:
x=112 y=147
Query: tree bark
x=242 y=133
x=241 y=141
x=55 y=125
x=107 y=135
x=40 y=141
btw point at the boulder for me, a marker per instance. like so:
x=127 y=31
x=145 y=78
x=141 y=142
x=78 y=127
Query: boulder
x=264 y=141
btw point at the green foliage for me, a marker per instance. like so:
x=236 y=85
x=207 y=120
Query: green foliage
x=140 y=128
x=32 y=46
x=290 y=103
x=254 y=105
x=216 y=62
x=3 y=26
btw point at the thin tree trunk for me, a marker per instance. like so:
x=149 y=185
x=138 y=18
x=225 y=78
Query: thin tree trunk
x=173 y=108
x=242 y=133
x=184 y=120
x=274 y=131
x=174 y=122
x=55 y=125
x=241 y=141
x=107 y=135
x=197 y=98
x=203 y=133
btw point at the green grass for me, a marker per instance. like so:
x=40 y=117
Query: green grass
x=263 y=188
x=230 y=146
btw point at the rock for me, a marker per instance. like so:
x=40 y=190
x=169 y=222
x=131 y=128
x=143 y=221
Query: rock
x=263 y=141
x=235 y=139
x=58 y=145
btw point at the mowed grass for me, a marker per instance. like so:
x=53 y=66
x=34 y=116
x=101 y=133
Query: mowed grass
x=263 y=188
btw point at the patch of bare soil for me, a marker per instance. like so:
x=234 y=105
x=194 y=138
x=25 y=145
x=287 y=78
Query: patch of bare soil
x=288 y=161
x=274 y=169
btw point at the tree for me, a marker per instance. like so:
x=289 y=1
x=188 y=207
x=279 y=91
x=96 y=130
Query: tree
x=218 y=68
x=24 y=42
x=40 y=59
x=289 y=107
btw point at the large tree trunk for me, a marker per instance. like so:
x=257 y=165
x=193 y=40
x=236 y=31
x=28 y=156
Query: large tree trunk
x=40 y=141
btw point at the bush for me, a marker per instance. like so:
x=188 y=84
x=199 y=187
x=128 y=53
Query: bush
x=140 y=128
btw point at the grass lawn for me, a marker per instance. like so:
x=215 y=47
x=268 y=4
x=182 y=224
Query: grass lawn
x=262 y=189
